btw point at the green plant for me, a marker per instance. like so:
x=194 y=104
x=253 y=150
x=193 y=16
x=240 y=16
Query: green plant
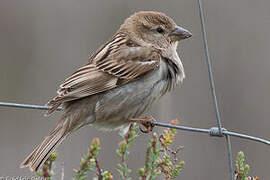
x=123 y=151
x=241 y=169
x=46 y=171
x=160 y=158
x=90 y=162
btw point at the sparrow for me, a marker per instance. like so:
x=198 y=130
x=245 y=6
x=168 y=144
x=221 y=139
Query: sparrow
x=120 y=82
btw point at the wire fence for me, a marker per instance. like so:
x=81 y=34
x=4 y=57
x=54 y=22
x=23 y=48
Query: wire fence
x=218 y=131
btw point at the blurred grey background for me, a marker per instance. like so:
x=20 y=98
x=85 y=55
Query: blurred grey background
x=43 y=42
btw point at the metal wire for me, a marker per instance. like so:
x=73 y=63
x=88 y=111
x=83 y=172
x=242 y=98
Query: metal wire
x=244 y=136
x=27 y=106
x=229 y=148
x=213 y=91
x=213 y=131
x=210 y=73
x=184 y=128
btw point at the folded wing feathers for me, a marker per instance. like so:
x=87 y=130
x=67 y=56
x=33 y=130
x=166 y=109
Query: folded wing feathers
x=89 y=84
x=86 y=84
x=116 y=60
x=84 y=71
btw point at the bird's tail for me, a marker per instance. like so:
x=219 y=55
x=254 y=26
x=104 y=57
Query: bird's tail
x=40 y=154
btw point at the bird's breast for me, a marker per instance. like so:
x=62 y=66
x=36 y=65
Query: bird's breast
x=115 y=107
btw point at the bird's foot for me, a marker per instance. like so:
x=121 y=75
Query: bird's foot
x=146 y=122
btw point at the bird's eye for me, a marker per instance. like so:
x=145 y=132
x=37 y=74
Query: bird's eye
x=160 y=30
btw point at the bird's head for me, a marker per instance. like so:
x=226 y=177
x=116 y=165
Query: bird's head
x=155 y=28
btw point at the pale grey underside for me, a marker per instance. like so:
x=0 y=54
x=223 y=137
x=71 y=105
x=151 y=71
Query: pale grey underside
x=113 y=108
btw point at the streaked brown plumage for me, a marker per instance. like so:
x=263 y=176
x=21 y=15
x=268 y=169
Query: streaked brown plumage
x=122 y=79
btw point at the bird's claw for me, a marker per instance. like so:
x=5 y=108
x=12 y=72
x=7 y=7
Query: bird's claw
x=146 y=122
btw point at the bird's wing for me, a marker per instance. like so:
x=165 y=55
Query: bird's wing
x=118 y=62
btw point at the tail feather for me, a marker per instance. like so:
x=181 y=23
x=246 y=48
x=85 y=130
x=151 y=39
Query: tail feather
x=41 y=153
x=53 y=104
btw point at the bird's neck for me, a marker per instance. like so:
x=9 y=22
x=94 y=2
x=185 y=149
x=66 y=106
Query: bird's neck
x=174 y=68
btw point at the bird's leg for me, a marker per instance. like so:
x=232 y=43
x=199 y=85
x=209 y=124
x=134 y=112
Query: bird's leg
x=146 y=122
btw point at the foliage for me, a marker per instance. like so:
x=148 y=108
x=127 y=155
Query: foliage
x=91 y=163
x=123 y=151
x=241 y=169
x=160 y=158
x=46 y=171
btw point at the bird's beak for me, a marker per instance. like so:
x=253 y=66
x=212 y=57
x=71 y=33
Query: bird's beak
x=179 y=33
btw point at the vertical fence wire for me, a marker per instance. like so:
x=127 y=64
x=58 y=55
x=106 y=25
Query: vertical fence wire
x=229 y=149
x=213 y=91
x=209 y=68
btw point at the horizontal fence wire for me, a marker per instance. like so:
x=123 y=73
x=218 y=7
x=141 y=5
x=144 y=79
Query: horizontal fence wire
x=27 y=106
x=213 y=131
